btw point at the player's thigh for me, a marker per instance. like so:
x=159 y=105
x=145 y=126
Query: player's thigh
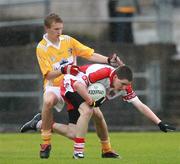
x=52 y=96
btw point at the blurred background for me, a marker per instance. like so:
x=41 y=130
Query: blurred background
x=144 y=33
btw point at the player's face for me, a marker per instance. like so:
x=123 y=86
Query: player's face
x=55 y=31
x=120 y=84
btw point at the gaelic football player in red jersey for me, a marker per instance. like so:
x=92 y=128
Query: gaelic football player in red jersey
x=74 y=91
x=118 y=80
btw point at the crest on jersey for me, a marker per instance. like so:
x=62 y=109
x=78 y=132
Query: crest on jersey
x=53 y=59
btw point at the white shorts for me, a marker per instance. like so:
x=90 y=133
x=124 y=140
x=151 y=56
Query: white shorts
x=56 y=90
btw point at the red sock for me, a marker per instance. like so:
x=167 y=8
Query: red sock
x=79 y=144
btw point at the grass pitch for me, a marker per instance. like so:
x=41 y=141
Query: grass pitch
x=135 y=148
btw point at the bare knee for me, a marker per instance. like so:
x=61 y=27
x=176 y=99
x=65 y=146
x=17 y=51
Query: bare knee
x=85 y=110
x=49 y=101
x=87 y=113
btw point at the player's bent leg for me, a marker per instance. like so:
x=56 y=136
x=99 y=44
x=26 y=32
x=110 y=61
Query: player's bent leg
x=102 y=132
x=68 y=131
x=50 y=99
x=32 y=124
x=100 y=124
x=81 y=130
x=83 y=121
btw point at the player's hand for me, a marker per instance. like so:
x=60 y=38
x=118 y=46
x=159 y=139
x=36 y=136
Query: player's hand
x=165 y=127
x=70 y=69
x=98 y=102
x=115 y=61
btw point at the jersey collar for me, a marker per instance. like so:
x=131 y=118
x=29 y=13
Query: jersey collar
x=49 y=43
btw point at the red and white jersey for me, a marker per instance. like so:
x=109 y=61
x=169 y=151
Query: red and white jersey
x=69 y=80
x=104 y=74
x=100 y=73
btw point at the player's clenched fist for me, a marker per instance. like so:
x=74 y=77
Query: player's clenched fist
x=70 y=69
x=115 y=61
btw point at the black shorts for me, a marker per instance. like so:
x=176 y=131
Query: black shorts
x=74 y=100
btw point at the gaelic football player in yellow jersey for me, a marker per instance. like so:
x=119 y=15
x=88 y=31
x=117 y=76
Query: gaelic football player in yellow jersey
x=56 y=53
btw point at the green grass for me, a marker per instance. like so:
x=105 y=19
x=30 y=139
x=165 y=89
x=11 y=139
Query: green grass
x=135 y=148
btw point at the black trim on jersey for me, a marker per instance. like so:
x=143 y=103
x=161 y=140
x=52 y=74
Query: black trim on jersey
x=75 y=99
x=73 y=116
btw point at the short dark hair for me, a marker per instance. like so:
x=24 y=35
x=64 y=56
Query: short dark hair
x=50 y=18
x=124 y=72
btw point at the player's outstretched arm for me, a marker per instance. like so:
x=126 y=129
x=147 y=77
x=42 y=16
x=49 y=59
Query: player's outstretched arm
x=149 y=114
x=113 y=60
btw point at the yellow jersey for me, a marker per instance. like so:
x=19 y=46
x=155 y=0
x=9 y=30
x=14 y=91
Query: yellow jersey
x=50 y=56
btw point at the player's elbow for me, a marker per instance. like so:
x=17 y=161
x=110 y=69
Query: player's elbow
x=77 y=85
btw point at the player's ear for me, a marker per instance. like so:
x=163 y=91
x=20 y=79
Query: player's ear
x=115 y=77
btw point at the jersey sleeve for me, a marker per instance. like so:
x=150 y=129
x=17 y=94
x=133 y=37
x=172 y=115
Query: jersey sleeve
x=81 y=50
x=45 y=66
x=129 y=95
x=99 y=74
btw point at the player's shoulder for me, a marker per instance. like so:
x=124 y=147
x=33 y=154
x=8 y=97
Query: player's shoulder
x=65 y=38
x=42 y=45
